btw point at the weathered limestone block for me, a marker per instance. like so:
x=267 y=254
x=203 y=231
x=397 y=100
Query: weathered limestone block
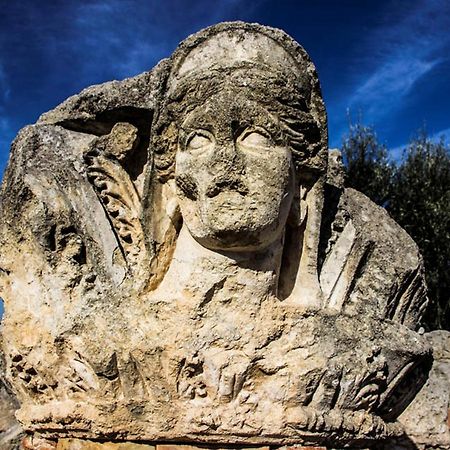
x=11 y=432
x=176 y=266
x=77 y=444
x=427 y=418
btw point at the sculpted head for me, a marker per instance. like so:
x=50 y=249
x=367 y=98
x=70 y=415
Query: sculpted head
x=241 y=128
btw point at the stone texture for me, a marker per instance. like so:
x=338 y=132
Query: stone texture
x=31 y=442
x=11 y=433
x=178 y=264
x=292 y=447
x=426 y=420
x=77 y=444
x=195 y=447
x=97 y=108
x=335 y=172
x=297 y=447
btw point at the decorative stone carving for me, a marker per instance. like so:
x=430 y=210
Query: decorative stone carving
x=427 y=418
x=176 y=266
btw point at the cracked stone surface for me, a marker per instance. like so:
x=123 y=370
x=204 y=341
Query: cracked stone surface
x=11 y=433
x=178 y=263
x=427 y=418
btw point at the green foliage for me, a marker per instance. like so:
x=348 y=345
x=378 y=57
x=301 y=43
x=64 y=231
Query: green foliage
x=416 y=192
x=420 y=203
x=368 y=169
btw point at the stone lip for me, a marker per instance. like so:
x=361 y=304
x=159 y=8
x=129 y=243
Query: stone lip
x=379 y=433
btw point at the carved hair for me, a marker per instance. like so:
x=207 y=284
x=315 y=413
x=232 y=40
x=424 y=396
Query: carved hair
x=291 y=93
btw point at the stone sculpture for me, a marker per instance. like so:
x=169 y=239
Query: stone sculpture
x=177 y=265
x=427 y=418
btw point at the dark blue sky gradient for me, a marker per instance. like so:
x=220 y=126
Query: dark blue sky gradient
x=388 y=61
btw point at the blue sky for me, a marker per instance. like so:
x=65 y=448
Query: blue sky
x=386 y=61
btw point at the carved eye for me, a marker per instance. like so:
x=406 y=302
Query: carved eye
x=198 y=143
x=255 y=139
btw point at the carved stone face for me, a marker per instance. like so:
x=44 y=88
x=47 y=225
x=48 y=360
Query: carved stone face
x=234 y=173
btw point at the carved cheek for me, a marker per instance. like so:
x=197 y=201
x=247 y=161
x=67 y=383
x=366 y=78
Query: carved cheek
x=282 y=166
x=273 y=169
x=190 y=174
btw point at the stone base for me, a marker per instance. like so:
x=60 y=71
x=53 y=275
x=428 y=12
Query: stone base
x=32 y=443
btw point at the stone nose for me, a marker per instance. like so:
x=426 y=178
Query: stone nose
x=228 y=169
x=227 y=157
x=226 y=150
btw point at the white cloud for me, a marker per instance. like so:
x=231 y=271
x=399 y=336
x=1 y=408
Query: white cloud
x=4 y=124
x=436 y=137
x=391 y=82
x=405 y=53
x=396 y=153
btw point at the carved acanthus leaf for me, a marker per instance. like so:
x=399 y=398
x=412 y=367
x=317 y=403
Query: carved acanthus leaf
x=118 y=195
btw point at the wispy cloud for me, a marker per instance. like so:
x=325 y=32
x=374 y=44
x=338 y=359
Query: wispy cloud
x=390 y=83
x=51 y=50
x=397 y=153
x=127 y=43
x=5 y=89
x=443 y=134
x=405 y=53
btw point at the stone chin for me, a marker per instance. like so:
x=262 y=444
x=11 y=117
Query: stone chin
x=235 y=240
x=227 y=223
